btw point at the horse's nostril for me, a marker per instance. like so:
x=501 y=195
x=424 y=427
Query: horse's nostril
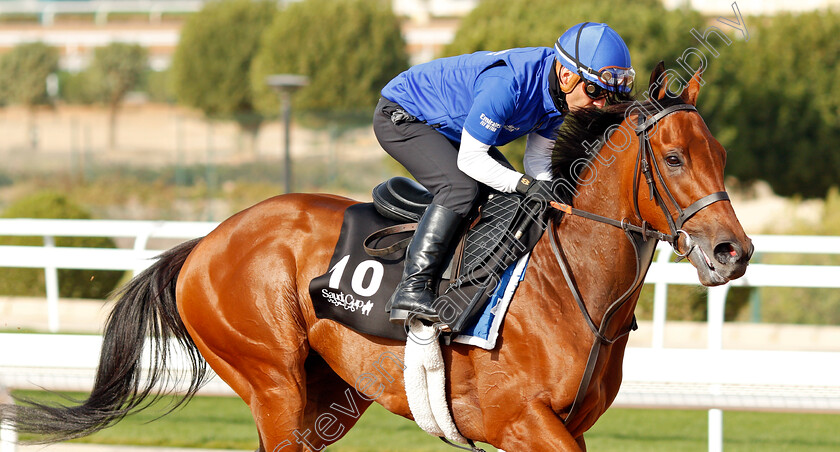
x=727 y=252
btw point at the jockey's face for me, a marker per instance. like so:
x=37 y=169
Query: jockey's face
x=577 y=97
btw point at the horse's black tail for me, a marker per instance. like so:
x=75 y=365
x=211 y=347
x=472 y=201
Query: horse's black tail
x=146 y=308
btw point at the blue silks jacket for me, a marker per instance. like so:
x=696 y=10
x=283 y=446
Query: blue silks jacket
x=496 y=96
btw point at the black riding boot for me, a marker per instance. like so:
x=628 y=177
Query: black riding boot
x=424 y=263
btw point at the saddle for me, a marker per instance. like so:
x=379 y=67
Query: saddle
x=368 y=260
x=401 y=199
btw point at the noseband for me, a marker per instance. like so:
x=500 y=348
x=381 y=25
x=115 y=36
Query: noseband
x=638 y=235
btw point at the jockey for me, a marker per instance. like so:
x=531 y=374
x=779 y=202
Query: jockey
x=443 y=119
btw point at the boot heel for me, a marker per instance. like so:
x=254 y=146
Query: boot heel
x=399 y=316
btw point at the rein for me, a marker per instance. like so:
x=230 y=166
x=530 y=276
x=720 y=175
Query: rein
x=638 y=237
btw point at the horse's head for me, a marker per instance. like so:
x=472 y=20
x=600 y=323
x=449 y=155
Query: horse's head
x=690 y=162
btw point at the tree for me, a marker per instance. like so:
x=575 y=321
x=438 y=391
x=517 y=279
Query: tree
x=349 y=49
x=773 y=100
x=23 y=73
x=115 y=70
x=211 y=65
x=651 y=32
x=774 y=103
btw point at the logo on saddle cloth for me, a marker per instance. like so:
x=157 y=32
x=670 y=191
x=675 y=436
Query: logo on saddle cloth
x=357 y=286
x=347 y=301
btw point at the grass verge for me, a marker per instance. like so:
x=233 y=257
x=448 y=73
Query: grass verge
x=225 y=423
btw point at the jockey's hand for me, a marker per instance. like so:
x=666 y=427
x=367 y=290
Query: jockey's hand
x=535 y=188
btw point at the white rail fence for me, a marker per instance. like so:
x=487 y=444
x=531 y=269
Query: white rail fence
x=713 y=378
x=51 y=258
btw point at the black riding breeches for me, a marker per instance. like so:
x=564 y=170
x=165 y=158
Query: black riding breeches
x=428 y=155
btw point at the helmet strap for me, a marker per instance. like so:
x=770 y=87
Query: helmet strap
x=558 y=93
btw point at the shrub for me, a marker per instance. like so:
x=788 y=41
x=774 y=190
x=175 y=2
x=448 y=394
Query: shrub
x=72 y=283
x=6 y=179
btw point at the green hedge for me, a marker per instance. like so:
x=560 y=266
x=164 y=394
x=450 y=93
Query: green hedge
x=72 y=283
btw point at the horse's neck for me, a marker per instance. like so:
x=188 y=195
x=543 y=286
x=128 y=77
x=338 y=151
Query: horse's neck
x=601 y=257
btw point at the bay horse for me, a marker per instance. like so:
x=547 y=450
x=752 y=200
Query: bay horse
x=237 y=300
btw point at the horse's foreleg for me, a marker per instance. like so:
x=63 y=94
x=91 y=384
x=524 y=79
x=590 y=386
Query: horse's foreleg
x=537 y=429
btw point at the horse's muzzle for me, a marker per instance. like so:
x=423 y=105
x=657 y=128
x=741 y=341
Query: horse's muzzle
x=721 y=263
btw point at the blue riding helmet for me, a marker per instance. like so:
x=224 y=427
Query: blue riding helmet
x=597 y=53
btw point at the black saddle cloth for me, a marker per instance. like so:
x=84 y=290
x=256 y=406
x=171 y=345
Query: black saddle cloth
x=357 y=286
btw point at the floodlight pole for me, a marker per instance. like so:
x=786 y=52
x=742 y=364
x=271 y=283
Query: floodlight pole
x=285 y=85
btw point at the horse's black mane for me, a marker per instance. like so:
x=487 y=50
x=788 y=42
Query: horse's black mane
x=582 y=135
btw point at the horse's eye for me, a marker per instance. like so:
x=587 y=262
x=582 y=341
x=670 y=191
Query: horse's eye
x=673 y=160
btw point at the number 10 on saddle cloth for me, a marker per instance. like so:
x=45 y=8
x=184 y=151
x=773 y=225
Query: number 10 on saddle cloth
x=489 y=263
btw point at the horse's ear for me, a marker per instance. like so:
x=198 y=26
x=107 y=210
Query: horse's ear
x=689 y=94
x=658 y=81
